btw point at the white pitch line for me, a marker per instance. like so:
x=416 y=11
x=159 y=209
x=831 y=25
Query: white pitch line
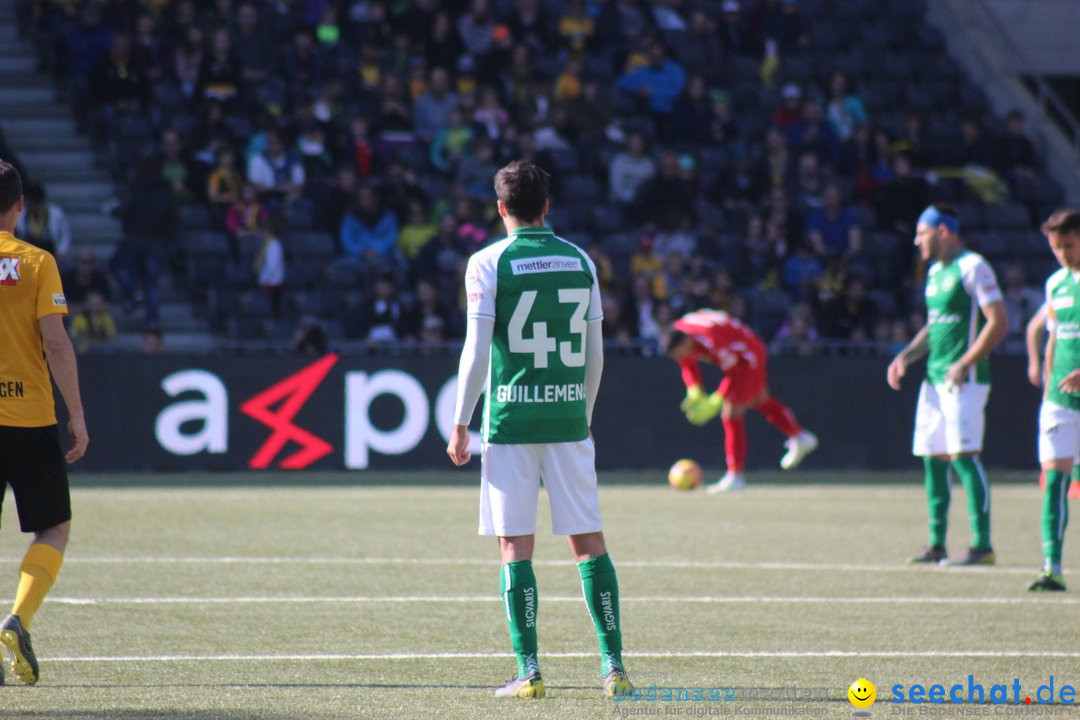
x=489 y=562
x=636 y=654
x=485 y=599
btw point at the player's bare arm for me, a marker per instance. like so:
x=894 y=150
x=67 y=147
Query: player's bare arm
x=1032 y=334
x=992 y=333
x=916 y=350
x=61 y=358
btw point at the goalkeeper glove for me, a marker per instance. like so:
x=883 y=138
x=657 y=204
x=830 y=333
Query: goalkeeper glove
x=699 y=407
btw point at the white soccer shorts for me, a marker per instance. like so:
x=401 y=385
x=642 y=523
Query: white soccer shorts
x=510 y=485
x=1059 y=432
x=950 y=421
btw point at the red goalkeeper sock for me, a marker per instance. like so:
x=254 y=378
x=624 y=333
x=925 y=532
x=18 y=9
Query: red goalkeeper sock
x=781 y=416
x=735 y=444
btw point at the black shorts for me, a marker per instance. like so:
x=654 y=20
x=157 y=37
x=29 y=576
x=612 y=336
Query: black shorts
x=32 y=463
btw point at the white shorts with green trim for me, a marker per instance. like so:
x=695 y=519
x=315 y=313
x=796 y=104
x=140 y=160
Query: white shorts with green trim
x=1059 y=432
x=510 y=478
x=950 y=421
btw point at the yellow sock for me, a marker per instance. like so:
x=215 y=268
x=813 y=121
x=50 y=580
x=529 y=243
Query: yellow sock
x=40 y=566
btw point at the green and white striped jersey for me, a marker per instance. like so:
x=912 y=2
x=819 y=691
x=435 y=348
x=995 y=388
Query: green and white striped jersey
x=542 y=293
x=1063 y=310
x=954 y=294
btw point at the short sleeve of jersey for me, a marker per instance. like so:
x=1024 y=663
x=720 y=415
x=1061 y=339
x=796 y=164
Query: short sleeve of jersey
x=596 y=309
x=981 y=283
x=50 y=293
x=1051 y=316
x=480 y=284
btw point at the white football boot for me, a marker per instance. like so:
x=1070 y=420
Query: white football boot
x=730 y=483
x=798 y=447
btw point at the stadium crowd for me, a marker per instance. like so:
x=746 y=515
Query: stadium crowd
x=306 y=164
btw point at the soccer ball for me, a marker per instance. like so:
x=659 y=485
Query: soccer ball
x=684 y=475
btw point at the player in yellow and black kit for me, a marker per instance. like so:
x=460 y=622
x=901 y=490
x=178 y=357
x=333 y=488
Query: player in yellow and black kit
x=33 y=342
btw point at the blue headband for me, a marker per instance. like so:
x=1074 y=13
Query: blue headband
x=934 y=217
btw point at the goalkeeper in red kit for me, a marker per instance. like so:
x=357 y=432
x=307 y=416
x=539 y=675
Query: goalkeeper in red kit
x=716 y=337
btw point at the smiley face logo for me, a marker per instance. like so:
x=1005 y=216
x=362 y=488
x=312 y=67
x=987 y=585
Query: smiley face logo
x=862 y=693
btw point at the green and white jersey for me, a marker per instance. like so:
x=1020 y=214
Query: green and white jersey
x=1063 y=320
x=954 y=295
x=542 y=292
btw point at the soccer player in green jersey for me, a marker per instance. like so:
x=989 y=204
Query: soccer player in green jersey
x=533 y=338
x=1059 y=415
x=965 y=321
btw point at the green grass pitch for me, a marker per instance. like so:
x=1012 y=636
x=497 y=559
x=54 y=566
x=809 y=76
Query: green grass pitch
x=371 y=596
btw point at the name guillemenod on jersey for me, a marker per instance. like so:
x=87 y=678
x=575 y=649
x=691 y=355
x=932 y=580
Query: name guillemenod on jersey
x=571 y=392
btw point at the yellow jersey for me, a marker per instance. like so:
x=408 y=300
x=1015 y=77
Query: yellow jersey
x=30 y=289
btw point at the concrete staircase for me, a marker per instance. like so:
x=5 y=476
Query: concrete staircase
x=40 y=129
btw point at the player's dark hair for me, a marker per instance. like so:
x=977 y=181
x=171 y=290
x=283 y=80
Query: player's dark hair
x=947 y=209
x=10 y=186
x=523 y=189
x=674 y=340
x=1063 y=221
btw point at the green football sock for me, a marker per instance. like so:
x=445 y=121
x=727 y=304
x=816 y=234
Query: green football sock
x=977 y=487
x=1055 y=516
x=517 y=583
x=938 y=495
x=601 y=589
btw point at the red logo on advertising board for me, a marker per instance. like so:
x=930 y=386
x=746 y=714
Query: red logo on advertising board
x=293 y=392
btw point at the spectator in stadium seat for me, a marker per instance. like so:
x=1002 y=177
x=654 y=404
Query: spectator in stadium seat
x=416 y=232
x=476 y=29
x=369 y=232
x=1022 y=300
x=303 y=65
x=665 y=198
x=733 y=34
x=799 y=329
x=442 y=44
x=116 y=84
x=477 y=168
x=44 y=224
x=1014 y=151
x=383 y=313
x=401 y=188
x=859 y=161
x=92 y=325
x=220 y=74
x=310 y=338
x=974 y=148
x=224 y=185
x=269 y=265
x=783 y=219
x=833 y=229
x=691 y=122
x=776 y=162
x=743 y=184
x=807 y=186
x=629 y=169
x=790 y=111
x=799 y=271
x=85 y=278
x=913 y=140
x=702 y=49
x=429 y=304
x=245 y=216
x=491 y=116
x=440 y=257
x=813 y=134
x=86 y=41
x=187 y=61
x=576 y=27
x=844 y=109
x=657 y=84
x=431 y=111
x=257 y=57
x=175 y=169
x=451 y=144
x=622 y=23
x=639 y=309
x=149 y=221
x=901 y=199
x=850 y=315
x=276 y=174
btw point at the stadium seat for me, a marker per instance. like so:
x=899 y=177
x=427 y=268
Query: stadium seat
x=606 y=219
x=972 y=216
x=195 y=216
x=1009 y=216
x=310 y=245
x=768 y=308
